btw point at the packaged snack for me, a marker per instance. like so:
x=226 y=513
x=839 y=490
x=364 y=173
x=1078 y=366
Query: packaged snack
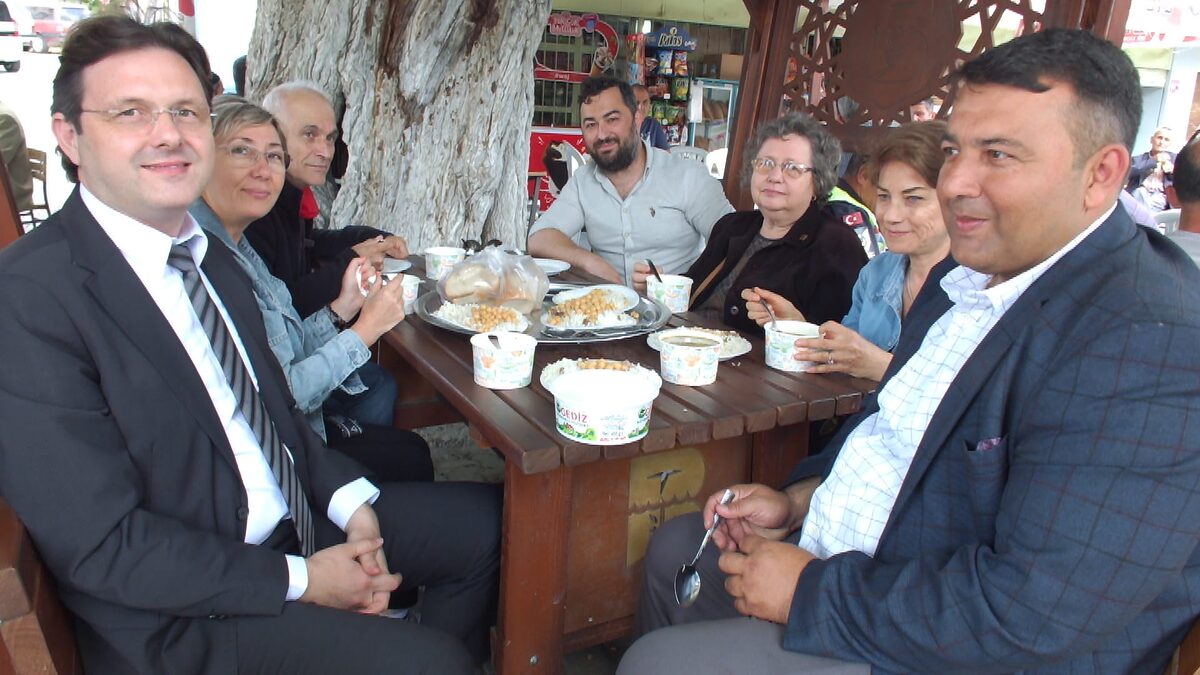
x=650 y=64
x=679 y=88
x=665 y=57
x=681 y=67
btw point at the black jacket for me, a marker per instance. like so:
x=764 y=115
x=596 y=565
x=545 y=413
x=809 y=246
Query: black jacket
x=814 y=266
x=308 y=260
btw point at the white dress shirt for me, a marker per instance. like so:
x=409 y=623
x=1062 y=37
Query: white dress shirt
x=146 y=250
x=851 y=507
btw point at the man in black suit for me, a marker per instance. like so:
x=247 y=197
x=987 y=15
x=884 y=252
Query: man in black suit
x=147 y=437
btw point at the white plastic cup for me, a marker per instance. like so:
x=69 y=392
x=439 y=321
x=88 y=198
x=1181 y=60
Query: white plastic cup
x=439 y=260
x=781 y=344
x=674 y=291
x=412 y=287
x=509 y=366
x=688 y=357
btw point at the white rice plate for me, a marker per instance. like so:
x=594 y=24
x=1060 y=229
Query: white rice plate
x=578 y=321
x=460 y=315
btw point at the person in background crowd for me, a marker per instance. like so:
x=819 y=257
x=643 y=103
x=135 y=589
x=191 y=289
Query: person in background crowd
x=1187 y=194
x=239 y=75
x=923 y=111
x=852 y=201
x=905 y=166
x=1157 y=159
x=789 y=244
x=15 y=157
x=1010 y=498
x=651 y=131
x=632 y=203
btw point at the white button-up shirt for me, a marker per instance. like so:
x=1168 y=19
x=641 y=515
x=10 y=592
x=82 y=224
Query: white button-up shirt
x=146 y=250
x=666 y=217
x=851 y=507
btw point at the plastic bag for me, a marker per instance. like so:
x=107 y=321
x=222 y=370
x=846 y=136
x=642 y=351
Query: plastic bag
x=498 y=278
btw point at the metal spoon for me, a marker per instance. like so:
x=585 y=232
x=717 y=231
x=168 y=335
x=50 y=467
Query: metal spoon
x=495 y=340
x=687 y=579
x=654 y=270
x=769 y=312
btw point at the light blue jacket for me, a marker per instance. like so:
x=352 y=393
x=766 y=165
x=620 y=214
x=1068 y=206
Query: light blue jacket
x=316 y=357
x=878 y=300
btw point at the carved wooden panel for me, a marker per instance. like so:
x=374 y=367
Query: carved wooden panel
x=858 y=65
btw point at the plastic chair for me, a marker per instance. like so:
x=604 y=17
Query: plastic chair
x=1168 y=221
x=715 y=161
x=572 y=156
x=688 y=152
x=37 y=169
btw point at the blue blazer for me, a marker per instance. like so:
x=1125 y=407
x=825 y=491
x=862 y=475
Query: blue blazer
x=1050 y=518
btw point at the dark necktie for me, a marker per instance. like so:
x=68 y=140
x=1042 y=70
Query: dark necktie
x=248 y=400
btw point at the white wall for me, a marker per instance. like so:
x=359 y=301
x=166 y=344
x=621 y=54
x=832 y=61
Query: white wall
x=224 y=28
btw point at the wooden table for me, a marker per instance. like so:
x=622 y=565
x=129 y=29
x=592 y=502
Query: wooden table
x=577 y=517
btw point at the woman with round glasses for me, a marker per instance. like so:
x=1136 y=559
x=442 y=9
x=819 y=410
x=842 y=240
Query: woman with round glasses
x=905 y=168
x=318 y=357
x=790 y=245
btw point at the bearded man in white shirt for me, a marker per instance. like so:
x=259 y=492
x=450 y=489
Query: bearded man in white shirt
x=148 y=441
x=1017 y=496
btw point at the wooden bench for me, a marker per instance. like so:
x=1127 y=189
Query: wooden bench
x=35 y=629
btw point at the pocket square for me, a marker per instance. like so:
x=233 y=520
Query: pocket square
x=988 y=444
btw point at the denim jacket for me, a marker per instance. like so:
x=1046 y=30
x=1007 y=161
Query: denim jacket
x=315 y=356
x=878 y=298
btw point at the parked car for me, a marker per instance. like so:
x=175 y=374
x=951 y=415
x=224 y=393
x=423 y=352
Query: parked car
x=52 y=20
x=24 y=20
x=10 y=40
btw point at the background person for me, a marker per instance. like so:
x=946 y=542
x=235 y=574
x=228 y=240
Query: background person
x=905 y=167
x=1187 y=195
x=650 y=130
x=789 y=244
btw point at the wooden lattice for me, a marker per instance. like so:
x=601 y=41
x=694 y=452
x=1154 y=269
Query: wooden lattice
x=859 y=66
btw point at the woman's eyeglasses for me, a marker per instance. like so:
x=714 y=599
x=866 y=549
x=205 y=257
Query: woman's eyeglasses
x=790 y=169
x=247 y=156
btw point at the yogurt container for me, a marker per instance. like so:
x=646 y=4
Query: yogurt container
x=439 y=260
x=689 y=357
x=412 y=288
x=673 y=291
x=781 y=344
x=509 y=366
x=604 y=407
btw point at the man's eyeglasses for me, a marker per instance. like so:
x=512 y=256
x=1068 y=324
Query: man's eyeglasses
x=142 y=118
x=474 y=246
x=247 y=156
x=790 y=169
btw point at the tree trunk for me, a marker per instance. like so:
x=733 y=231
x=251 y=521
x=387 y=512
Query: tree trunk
x=435 y=99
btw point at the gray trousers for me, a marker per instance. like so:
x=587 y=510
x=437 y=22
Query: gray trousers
x=710 y=636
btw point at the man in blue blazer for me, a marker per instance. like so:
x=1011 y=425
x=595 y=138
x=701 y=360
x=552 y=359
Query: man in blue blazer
x=1021 y=493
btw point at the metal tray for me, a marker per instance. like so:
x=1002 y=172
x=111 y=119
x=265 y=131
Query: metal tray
x=652 y=315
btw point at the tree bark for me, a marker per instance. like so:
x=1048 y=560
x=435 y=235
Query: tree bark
x=435 y=99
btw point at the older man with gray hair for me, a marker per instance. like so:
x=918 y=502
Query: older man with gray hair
x=310 y=260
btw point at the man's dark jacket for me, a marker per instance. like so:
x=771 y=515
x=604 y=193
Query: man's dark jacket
x=310 y=261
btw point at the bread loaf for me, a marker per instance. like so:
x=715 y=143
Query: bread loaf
x=471 y=284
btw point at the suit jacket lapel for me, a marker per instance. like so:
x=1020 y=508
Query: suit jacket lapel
x=121 y=294
x=979 y=371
